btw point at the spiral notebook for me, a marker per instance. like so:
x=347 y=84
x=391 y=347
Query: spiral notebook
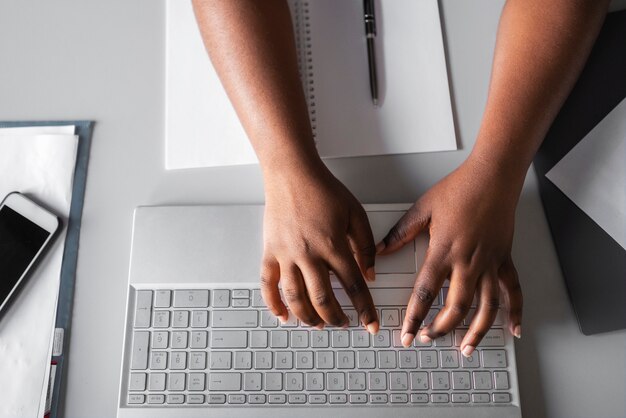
x=414 y=112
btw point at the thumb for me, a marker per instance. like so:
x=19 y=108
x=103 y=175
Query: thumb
x=362 y=243
x=414 y=221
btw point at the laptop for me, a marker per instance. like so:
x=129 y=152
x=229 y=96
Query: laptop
x=199 y=341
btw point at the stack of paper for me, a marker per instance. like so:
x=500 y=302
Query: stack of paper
x=38 y=162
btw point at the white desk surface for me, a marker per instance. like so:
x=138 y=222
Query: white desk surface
x=104 y=60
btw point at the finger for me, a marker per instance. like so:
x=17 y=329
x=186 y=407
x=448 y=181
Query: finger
x=488 y=304
x=270 y=275
x=457 y=304
x=321 y=294
x=353 y=283
x=405 y=230
x=294 y=291
x=427 y=284
x=513 y=296
x=362 y=243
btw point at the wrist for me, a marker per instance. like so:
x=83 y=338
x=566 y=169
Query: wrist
x=292 y=171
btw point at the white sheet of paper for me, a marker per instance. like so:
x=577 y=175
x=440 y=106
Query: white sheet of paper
x=202 y=128
x=41 y=167
x=593 y=174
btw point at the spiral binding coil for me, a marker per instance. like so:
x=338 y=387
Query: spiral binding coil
x=302 y=31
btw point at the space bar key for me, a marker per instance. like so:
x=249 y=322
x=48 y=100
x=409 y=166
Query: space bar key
x=381 y=296
x=234 y=319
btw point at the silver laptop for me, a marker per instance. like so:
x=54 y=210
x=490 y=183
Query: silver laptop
x=199 y=341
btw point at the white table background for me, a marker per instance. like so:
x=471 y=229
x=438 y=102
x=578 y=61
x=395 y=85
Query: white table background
x=104 y=60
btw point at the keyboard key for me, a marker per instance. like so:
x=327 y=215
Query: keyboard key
x=226 y=382
x=137 y=381
x=317 y=398
x=494 y=358
x=179 y=339
x=257 y=299
x=156 y=399
x=279 y=339
x=294 y=382
x=360 y=339
x=162 y=298
x=377 y=381
x=215 y=398
x=381 y=297
x=243 y=360
x=181 y=319
x=492 y=338
x=345 y=360
x=428 y=359
x=461 y=381
x=338 y=398
x=315 y=381
x=340 y=338
x=196 y=381
x=160 y=339
x=440 y=380
x=139 y=355
x=460 y=398
x=470 y=362
x=335 y=381
x=273 y=381
x=482 y=380
x=236 y=398
x=251 y=382
x=353 y=317
x=268 y=320
x=263 y=360
x=304 y=360
x=175 y=399
x=143 y=308
x=419 y=398
x=229 y=339
x=257 y=399
x=277 y=398
x=366 y=359
x=382 y=339
x=444 y=341
x=379 y=398
x=258 y=339
x=501 y=380
x=356 y=381
x=198 y=339
x=157 y=381
x=197 y=360
x=319 y=339
x=390 y=318
x=178 y=360
x=221 y=298
x=399 y=398
x=234 y=319
x=241 y=293
x=297 y=398
x=299 y=339
x=408 y=359
x=191 y=298
x=241 y=303
x=440 y=398
x=419 y=380
x=199 y=319
x=291 y=322
x=480 y=397
x=220 y=360
x=176 y=381
x=501 y=397
x=387 y=359
x=325 y=359
x=136 y=399
x=449 y=359
x=398 y=381
x=358 y=398
x=196 y=399
x=284 y=360
x=158 y=360
x=161 y=319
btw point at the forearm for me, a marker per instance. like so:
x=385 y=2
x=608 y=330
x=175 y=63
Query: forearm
x=540 y=51
x=252 y=48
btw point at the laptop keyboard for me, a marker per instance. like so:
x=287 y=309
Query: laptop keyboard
x=223 y=347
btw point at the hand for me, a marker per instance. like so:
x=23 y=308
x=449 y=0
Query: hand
x=314 y=225
x=470 y=217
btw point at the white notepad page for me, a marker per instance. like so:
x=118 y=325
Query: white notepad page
x=415 y=114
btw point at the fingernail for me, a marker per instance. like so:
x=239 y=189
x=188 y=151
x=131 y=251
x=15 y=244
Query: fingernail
x=468 y=350
x=425 y=338
x=372 y=327
x=407 y=339
x=380 y=247
x=370 y=274
x=319 y=326
x=283 y=318
x=517 y=331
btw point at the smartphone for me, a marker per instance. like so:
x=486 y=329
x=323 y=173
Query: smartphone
x=26 y=231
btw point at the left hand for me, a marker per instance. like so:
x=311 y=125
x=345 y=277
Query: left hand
x=470 y=216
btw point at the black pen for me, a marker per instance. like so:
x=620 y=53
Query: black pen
x=370 y=34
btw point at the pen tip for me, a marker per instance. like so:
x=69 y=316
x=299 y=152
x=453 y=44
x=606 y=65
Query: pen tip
x=375 y=102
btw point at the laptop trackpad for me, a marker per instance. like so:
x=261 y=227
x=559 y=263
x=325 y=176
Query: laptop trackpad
x=403 y=260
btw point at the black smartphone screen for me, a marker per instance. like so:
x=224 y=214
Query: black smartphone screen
x=20 y=241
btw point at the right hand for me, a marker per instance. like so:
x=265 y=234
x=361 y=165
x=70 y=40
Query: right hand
x=314 y=225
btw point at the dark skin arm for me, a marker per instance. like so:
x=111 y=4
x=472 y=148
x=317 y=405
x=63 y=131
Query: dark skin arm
x=312 y=224
x=541 y=49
